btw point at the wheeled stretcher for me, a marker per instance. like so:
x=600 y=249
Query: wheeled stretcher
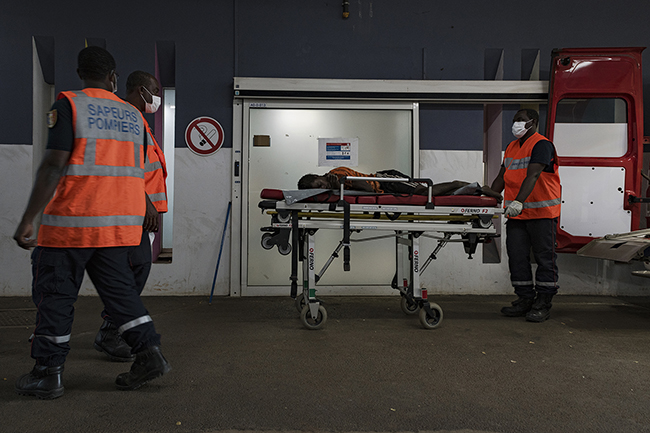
x=297 y=215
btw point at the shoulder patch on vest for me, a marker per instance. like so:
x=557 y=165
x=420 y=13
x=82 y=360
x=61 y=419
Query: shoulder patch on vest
x=51 y=118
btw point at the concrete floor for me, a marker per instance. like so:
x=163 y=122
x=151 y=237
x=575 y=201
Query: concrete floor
x=247 y=364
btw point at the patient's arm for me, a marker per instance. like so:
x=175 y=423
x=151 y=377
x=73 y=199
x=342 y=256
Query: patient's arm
x=486 y=190
x=361 y=185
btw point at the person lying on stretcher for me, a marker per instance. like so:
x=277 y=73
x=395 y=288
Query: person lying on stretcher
x=330 y=180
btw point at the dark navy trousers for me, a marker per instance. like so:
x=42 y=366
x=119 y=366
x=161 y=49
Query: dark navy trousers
x=57 y=277
x=538 y=235
x=140 y=262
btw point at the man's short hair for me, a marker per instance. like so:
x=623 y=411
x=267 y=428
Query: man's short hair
x=95 y=63
x=532 y=114
x=137 y=79
x=307 y=181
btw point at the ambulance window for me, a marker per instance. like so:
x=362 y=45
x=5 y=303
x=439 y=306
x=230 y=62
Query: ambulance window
x=591 y=127
x=593 y=110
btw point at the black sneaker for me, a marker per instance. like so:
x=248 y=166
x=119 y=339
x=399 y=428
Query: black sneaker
x=109 y=341
x=43 y=382
x=149 y=364
x=519 y=307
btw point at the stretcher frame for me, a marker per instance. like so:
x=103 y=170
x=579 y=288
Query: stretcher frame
x=293 y=227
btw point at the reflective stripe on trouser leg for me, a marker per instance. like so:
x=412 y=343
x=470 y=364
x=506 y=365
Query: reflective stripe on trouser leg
x=133 y=323
x=115 y=282
x=54 y=339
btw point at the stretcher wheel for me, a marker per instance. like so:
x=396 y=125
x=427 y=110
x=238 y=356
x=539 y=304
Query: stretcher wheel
x=284 y=218
x=300 y=302
x=284 y=249
x=311 y=323
x=484 y=224
x=267 y=244
x=429 y=321
x=408 y=308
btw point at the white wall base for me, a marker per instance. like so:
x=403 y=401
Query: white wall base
x=202 y=194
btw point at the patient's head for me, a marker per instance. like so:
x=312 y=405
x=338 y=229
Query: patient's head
x=310 y=181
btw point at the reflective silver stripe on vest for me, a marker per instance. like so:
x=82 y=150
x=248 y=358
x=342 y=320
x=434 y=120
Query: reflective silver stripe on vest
x=152 y=166
x=157 y=197
x=92 y=221
x=521 y=283
x=506 y=162
x=518 y=164
x=538 y=204
x=90 y=153
x=547 y=284
x=148 y=165
x=60 y=339
x=103 y=170
x=133 y=323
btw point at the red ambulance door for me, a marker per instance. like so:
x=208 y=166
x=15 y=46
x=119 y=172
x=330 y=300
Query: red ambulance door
x=595 y=120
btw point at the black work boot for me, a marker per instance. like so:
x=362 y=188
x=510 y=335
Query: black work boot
x=519 y=307
x=43 y=382
x=109 y=341
x=149 y=364
x=541 y=308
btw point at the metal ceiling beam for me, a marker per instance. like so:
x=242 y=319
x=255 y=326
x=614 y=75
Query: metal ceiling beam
x=443 y=91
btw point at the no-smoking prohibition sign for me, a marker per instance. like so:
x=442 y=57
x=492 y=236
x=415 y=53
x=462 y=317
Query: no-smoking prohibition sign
x=204 y=136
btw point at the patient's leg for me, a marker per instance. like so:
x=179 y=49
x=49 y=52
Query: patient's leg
x=443 y=188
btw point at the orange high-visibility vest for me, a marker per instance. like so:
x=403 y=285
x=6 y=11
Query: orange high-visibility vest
x=544 y=201
x=99 y=200
x=155 y=173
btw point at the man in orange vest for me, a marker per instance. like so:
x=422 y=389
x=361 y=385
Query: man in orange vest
x=142 y=91
x=532 y=198
x=91 y=183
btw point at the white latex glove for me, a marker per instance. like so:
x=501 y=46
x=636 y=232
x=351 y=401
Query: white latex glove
x=514 y=208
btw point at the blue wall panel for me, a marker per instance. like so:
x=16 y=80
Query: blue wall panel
x=382 y=39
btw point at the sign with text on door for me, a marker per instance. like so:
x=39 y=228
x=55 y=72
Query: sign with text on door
x=336 y=152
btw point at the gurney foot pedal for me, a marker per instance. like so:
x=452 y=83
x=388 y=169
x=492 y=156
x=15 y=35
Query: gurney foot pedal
x=430 y=315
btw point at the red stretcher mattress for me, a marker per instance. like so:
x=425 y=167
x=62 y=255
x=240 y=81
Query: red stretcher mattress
x=391 y=199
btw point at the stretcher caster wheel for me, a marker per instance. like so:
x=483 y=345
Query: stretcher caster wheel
x=483 y=223
x=431 y=321
x=300 y=302
x=284 y=249
x=408 y=307
x=284 y=218
x=310 y=322
x=267 y=244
